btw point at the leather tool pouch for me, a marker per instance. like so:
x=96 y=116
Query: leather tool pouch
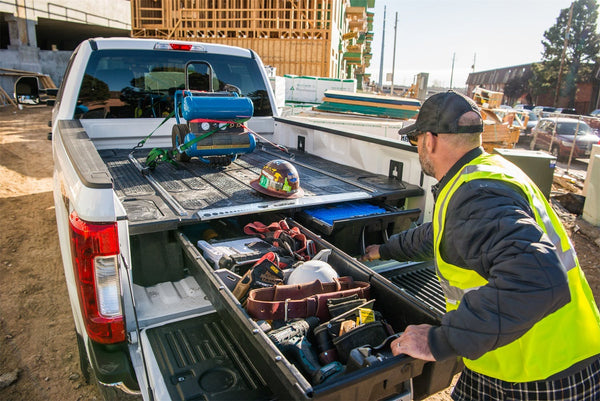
x=335 y=339
x=337 y=306
x=264 y=273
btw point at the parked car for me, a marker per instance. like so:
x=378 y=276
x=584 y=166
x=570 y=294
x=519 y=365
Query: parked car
x=556 y=135
x=543 y=111
x=565 y=110
x=523 y=107
x=593 y=120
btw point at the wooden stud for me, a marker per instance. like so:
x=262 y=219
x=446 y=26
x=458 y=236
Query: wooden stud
x=293 y=36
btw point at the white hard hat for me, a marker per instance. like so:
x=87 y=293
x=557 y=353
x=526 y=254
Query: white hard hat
x=314 y=269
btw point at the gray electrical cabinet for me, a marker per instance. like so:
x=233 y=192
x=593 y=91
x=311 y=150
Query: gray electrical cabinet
x=538 y=165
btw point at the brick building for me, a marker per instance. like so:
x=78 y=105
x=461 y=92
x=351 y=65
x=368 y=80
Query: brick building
x=587 y=96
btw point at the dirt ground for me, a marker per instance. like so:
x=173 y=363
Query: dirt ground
x=38 y=352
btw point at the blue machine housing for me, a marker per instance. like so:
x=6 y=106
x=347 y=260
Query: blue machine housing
x=220 y=144
x=223 y=106
x=221 y=113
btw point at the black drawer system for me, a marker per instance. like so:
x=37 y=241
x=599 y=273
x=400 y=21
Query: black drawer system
x=420 y=282
x=226 y=355
x=351 y=226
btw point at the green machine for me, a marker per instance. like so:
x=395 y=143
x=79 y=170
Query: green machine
x=538 y=165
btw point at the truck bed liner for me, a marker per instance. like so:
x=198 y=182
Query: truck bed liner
x=200 y=360
x=193 y=191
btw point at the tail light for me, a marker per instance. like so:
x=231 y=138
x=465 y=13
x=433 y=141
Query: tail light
x=179 y=46
x=95 y=250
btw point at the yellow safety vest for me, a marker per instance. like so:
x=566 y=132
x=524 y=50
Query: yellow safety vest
x=567 y=336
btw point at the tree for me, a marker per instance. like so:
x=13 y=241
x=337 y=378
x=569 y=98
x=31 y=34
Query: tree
x=93 y=89
x=516 y=87
x=580 y=54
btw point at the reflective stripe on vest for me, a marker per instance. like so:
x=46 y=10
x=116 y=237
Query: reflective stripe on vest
x=541 y=209
x=536 y=355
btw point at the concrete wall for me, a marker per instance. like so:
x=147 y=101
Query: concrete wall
x=77 y=19
x=52 y=63
x=109 y=13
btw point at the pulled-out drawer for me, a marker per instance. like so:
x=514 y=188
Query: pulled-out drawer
x=259 y=358
x=353 y=225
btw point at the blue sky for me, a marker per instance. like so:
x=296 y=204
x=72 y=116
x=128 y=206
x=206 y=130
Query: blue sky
x=497 y=33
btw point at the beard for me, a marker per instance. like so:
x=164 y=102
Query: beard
x=426 y=164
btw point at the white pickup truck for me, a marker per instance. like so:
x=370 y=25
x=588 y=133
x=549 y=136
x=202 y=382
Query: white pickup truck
x=145 y=227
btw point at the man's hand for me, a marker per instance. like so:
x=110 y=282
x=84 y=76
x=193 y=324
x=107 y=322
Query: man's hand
x=371 y=253
x=413 y=342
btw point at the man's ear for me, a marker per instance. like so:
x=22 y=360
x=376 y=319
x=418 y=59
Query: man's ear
x=430 y=142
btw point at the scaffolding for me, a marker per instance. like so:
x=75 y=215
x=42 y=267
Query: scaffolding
x=299 y=37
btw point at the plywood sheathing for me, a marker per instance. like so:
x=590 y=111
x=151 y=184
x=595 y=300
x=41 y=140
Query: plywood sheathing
x=293 y=36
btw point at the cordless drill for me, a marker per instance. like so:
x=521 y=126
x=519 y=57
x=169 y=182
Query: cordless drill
x=292 y=341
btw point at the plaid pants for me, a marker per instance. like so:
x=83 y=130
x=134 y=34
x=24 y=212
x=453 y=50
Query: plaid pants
x=581 y=386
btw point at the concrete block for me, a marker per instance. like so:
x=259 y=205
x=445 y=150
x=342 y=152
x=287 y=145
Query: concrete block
x=595 y=151
x=591 y=208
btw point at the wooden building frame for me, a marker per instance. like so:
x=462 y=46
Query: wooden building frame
x=297 y=37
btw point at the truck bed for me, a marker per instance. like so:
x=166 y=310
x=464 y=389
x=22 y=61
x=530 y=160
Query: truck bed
x=171 y=208
x=201 y=356
x=192 y=191
x=188 y=333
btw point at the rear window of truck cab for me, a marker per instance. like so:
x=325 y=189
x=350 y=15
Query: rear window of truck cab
x=142 y=83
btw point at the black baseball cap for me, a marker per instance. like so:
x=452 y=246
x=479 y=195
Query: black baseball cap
x=440 y=114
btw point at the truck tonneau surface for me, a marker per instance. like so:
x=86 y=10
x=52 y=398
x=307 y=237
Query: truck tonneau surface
x=193 y=191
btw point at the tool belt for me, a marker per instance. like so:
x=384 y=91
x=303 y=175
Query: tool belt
x=288 y=239
x=301 y=301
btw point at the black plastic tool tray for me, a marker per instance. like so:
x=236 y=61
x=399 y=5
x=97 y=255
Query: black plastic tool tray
x=201 y=360
x=352 y=234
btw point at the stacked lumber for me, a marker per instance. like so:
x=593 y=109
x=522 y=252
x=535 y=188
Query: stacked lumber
x=369 y=104
x=498 y=133
x=487 y=98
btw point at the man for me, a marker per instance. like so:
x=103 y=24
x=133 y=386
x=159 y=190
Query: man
x=519 y=310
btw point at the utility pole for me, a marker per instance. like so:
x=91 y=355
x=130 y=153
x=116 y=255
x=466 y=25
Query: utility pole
x=394 y=61
x=562 y=58
x=452 y=71
x=382 y=52
x=473 y=66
